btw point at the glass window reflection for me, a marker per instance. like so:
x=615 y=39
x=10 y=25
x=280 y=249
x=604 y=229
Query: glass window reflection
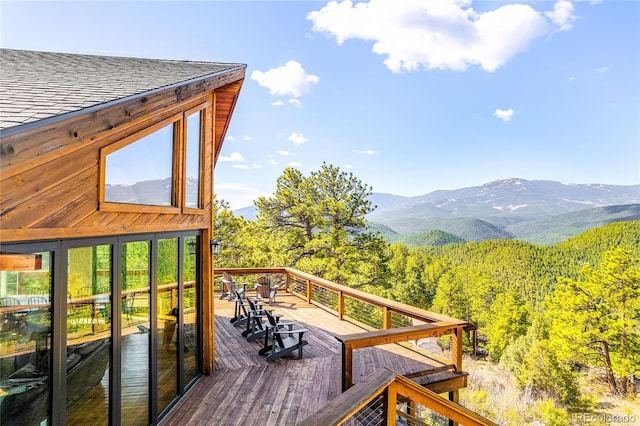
x=141 y=172
x=25 y=344
x=88 y=334
x=193 y=149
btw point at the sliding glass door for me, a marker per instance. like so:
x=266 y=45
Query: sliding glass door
x=103 y=331
x=135 y=332
x=88 y=321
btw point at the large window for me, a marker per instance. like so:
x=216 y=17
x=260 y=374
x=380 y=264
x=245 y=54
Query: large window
x=158 y=169
x=142 y=172
x=193 y=162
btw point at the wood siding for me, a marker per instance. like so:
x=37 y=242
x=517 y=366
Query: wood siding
x=50 y=175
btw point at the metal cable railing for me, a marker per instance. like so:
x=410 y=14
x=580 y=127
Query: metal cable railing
x=369 y=415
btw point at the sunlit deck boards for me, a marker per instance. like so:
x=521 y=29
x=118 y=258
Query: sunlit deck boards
x=246 y=390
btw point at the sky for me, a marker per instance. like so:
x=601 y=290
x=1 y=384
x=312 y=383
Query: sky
x=411 y=96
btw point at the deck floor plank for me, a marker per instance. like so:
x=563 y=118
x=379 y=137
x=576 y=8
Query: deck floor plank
x=245 y=389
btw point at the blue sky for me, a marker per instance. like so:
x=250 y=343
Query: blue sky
x=411 y=96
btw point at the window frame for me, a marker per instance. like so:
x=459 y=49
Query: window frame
x=202 y=110
x=113 y=206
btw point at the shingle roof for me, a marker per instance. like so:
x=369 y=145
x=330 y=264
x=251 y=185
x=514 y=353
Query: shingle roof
x=39 y=85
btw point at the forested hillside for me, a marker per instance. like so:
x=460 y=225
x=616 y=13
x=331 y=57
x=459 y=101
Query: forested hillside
x=548 y=314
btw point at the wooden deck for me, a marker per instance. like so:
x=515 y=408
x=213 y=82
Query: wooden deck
x=246 y=390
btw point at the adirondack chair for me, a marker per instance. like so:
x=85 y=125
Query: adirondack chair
x=284 y=339
x=255 y=322
x=240 y=315
x=264 y=289
x=229 y=287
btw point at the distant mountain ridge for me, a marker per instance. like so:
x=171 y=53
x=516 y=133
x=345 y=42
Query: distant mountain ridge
x=538 y=211
x=508 y=205
x=514 y=198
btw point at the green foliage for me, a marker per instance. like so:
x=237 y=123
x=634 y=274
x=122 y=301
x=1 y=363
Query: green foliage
x=319 y=221
x=514 y=354
x=596 y=321
x=233 y=232
x=550 y=415
x=433 y=238
x=546 y=376
x=510 y=319
x=465 y=294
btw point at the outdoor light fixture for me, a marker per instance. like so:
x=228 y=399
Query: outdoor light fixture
x=216 y=246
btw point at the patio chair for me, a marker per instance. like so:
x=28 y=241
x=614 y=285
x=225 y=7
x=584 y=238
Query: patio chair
x=240 y=315
x=284 y=339
x=256 y=321
x=265 y=290
x=38 y=305
x=13 y=320
x=229 y=287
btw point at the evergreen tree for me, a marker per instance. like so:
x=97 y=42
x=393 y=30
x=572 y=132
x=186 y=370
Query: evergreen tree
x=597 y=321
x=322 y=219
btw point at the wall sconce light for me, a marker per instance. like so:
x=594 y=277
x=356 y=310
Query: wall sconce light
x=216 y=246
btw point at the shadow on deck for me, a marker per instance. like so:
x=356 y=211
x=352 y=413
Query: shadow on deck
x=246 y=390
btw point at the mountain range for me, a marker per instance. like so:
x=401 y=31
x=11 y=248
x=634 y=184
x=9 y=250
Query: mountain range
x=538 y=211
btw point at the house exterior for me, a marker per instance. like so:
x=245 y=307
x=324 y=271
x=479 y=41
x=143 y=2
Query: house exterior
x=106 y=198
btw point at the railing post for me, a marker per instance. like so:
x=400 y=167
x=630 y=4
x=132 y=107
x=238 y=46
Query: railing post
x=389 y=404
x=456 y=358
x=286 y=282
x=386 y=318
x=456 y=348
x=340 y=305
x=347 y=367
x=308 y=291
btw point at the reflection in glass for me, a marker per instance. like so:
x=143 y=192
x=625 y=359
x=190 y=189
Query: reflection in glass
x=136 y=276
x=25 y=344
x=192 y=184
x=88 y=334
x=167 y=320
x=141 y=172
x=190 y=313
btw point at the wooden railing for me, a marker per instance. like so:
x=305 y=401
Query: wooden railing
x=384 y=398
x=387 y=321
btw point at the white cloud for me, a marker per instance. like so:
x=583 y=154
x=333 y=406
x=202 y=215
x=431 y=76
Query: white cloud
x=443 y=34
x=294 y=164
x=348 y=166
x=297 y=138
x=277 y=103
x=247 y=138
x=229 y=138
x=504 y=114
x=602 y=70
x=235 y=157
x=285 y=153
x=237 y=195
x=246 y=166
x=272 y=161
x=296 y=103
x=289 y=79
x=365 y=151
x=562 y=15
